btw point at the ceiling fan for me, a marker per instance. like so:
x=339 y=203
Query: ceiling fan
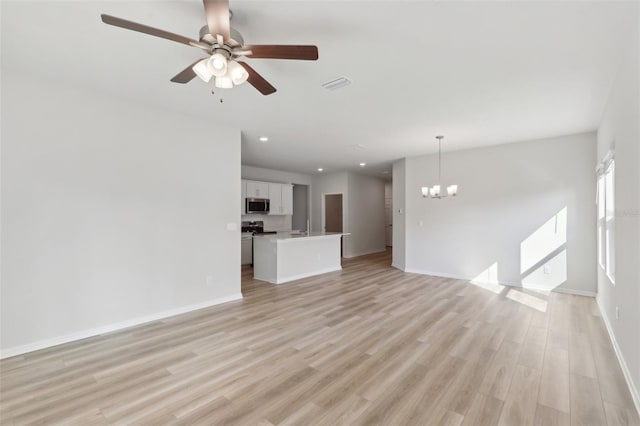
x=223 y=46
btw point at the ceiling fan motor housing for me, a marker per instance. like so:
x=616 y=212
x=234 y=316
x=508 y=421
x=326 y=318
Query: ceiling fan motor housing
x=236 y=39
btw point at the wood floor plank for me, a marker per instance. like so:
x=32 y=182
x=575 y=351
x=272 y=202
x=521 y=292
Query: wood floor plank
x=498 y=378
x=619 y=416
x=484 y=411
x=586 y=402
x=547 y=416
x=365 y=345
x=554 y=383
x=532 y=354
x=520 y=405
x=580 y=355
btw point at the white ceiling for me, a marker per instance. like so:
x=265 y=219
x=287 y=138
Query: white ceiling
x=480 y=73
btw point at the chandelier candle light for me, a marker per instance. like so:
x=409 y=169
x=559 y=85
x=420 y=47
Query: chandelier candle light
x=434 y=191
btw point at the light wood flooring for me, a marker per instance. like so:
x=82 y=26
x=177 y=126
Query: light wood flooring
x=367 y=345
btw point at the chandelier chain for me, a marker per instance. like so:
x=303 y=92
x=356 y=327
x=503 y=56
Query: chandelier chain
x=439 y=160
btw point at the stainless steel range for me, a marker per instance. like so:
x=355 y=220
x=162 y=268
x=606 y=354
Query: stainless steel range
x=254 y=227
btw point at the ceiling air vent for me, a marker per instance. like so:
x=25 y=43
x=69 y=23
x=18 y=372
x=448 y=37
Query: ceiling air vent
x=337 y=83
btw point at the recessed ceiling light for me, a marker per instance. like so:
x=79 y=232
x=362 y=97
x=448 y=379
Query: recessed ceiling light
x=386 y=172
x=363 y=164
x=320 y=169
x=263 y=139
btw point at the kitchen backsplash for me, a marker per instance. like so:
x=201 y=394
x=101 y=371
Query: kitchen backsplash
x=271 y=223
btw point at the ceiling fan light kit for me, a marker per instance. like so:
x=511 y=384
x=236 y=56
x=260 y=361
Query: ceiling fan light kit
x=224 y=45
x=202 y=70
x=224 y=82
x=217 y=64
x=237 y=73
x=434 y=191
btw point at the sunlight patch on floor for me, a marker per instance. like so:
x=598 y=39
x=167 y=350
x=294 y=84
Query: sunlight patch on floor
x=488 y=279
x=527 y=299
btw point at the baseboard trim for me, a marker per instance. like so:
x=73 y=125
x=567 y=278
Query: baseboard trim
x=635 y=395
x=364 y=253
x=397 y=267
x=301 y=276
x=572 y=291
x=55 y=341
x=504 y=283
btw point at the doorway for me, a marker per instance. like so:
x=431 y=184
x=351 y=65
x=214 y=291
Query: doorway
x=388 y=214
x=300 y=217
x=333 y=212
x=332 y=216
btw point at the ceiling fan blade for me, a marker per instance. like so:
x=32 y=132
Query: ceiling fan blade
x=145 y=29
x=186 y=75
x=217 y=12
x=241 y=52
x=257 y=81
x=274 y=51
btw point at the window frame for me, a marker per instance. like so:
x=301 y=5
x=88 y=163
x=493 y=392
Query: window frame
x=605 y=201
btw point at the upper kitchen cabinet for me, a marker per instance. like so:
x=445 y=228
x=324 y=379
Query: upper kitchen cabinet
x=275 y=198
x=287 y=199
x=257 y=189
x=281 y=199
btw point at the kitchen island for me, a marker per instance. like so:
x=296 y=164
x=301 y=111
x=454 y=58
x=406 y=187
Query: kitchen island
x=283 y=257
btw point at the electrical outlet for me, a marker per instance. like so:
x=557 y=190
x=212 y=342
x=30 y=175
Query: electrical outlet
x=546 y=269
x=209 y=281
x=617 y=313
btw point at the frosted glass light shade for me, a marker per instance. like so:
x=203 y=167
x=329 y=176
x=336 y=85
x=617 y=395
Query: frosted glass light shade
x=217 y=64
x=425 y=191
x=202 y=70
x=224 y=82
x=452 y=190
x=237 y=73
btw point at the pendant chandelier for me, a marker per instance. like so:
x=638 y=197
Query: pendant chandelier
x=435 y=191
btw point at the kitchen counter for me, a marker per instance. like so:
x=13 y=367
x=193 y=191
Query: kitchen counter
x=287 y=256
x=294 y=235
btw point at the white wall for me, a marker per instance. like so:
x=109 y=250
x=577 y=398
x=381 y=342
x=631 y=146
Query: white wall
x=330 y=183
x=506 y=194
x=621 y=125
x=362 y=210
x=300 y=207
x=399 y=222
x=271 y=175
x=112 y=213
x=366 y=215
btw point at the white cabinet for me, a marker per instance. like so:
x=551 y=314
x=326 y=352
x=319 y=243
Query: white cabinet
x=281 y=199
x=275 y=198
x=243 y=191
x=280 y=195
x=257 y=189
x=287 y=199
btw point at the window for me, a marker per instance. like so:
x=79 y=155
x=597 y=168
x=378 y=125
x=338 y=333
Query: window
x=606 y=219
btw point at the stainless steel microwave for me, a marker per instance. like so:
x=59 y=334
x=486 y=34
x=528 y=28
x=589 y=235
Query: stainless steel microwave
x=257 y=205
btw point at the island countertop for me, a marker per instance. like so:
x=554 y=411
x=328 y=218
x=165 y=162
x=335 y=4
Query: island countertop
x=282 y=236
x=286 y=256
